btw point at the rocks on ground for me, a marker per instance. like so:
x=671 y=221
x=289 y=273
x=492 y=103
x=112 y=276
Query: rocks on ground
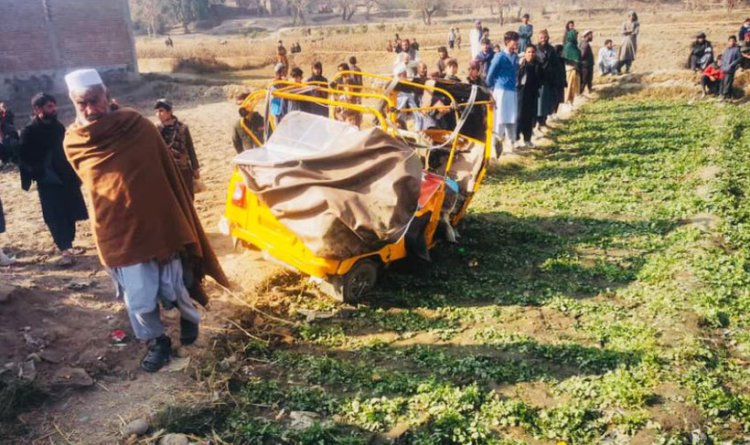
x=137 y=427
x=72 y=377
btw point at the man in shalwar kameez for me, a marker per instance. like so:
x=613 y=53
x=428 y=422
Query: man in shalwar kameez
x=147 y=232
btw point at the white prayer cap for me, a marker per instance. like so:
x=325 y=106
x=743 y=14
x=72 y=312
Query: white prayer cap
x=400 y=69
x=83 y=79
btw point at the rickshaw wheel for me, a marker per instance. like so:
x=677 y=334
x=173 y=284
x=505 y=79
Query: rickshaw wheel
x=358 y=282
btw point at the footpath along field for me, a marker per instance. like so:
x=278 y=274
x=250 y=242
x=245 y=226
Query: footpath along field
x=599 y=294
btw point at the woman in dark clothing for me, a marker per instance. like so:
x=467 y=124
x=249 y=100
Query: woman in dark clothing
x=560 y=98
x=553 y=78
x=42 y=159
x=317 y=76
x=529 y=81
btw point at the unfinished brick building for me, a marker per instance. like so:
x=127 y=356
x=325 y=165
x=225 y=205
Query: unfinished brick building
x=42 y=40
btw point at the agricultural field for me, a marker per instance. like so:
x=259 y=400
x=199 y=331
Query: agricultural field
x=598 y=295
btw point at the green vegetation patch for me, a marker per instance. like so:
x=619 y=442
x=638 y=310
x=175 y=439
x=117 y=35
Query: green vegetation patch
x=597 y=294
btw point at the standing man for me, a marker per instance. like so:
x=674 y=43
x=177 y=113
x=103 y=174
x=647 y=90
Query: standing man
x=180 y=143
x=321 y=82
x=475 y=39
x=630 y=30
x=485 y=57
x=525 y=32
x=730 y=60
x=552 y=78
x=745 y=52
x=572 y=57
x=452 y=38
x=42 y=160
x=607 y=59
x=744 y=29
x=281 y=54
x=587 y=61
x=147 y=232
x=443 y=59
x=529 y=81
x=502 y=78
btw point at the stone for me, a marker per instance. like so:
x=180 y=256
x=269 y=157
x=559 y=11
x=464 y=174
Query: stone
x=72 y=377
x=137 y=427
x=27 y=370
x=52 y=356
x=174 y=439
x=303 y=420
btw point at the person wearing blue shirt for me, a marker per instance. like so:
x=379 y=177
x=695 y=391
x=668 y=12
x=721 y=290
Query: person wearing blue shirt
x=502 y=78
x=730 y=60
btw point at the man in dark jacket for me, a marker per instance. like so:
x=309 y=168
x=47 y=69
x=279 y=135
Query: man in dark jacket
x=42 y=159
x=587 y=61
x=528 y=84
x=552 y=71
x=701 y=53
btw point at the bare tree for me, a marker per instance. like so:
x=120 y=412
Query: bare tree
x=348 y=8
x=298 y=8
x=150 y=13
x=369 y=5
x=428 y=8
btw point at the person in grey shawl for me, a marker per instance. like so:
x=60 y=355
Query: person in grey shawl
x=629 y=48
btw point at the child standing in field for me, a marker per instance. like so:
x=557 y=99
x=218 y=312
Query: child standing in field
x=730 y=60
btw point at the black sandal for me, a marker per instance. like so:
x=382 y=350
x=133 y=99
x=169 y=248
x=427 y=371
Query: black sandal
x=159 y=351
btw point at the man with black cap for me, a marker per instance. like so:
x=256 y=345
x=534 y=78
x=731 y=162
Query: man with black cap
x=180 y=143
x=587 y=61
x=701 y=53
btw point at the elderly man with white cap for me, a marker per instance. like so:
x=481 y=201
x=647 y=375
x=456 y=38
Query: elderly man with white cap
x=147 y=232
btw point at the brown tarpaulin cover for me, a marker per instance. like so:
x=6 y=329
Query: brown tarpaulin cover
x=142 y=209
x=342 y=191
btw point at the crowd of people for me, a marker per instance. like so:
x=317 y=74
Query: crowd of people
x=718 y=71
x=529 y=81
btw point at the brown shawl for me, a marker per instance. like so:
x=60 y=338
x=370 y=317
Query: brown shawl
x=142 y=209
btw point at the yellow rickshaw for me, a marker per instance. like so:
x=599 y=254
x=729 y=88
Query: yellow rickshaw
x=454 y=144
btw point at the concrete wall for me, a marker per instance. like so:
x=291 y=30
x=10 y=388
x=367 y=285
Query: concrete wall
x=42 y=40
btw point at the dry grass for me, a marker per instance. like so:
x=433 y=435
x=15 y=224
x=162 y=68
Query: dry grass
x=663 y=45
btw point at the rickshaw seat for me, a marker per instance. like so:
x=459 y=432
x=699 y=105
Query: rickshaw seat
x=430 y=184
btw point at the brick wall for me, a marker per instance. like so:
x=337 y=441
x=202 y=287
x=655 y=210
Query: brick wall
x=41 y=40
x=24 y=37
